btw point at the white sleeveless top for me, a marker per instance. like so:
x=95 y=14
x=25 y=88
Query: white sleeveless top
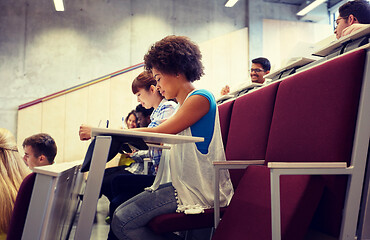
x=192 y=173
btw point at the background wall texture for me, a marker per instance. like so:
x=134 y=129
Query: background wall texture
x=43 y=51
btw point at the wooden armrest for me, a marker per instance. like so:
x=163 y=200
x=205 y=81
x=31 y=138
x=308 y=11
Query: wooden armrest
x=308 y=165
x=235 y=164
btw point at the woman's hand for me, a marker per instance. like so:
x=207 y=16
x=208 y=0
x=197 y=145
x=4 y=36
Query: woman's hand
x=225 y=90
x=85 y=132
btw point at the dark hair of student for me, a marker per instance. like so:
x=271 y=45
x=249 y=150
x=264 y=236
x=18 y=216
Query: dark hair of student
x=360 y=9
x=175 y=55
x=144 y=111
x=143 y=81
x=264 y=62
x=42 y=144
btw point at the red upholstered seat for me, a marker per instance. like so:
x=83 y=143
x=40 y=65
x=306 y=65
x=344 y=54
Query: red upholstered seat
x=322 y=128
x=251 y=116
x=249 y=127
x=20 y=210
x=181 y=222
x=313 y=121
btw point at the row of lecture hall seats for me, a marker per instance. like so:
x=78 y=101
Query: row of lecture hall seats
x=307 y=118
x=346 y=44
x=312 y=128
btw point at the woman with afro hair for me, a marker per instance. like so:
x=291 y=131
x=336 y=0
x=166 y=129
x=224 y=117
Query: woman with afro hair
x=184 y=181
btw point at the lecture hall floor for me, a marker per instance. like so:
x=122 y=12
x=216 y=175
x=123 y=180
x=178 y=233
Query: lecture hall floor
x=101 y=228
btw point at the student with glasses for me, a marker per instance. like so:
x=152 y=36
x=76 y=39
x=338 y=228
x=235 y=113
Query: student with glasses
x=353 y=15
x=260 y=67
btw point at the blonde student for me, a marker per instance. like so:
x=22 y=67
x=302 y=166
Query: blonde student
x=12 y=172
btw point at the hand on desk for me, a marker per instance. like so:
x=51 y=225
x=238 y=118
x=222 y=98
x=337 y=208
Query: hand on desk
x=85 y=132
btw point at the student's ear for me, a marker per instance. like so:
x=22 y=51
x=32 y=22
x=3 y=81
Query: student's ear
x=267 y=72
x=352 y=19
x=43 y=158
x=153 y=89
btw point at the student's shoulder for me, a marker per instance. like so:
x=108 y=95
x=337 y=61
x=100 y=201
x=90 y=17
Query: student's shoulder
x=205 y=93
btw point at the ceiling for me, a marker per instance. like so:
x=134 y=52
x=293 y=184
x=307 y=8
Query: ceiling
x=300 y=2
x=318 y=14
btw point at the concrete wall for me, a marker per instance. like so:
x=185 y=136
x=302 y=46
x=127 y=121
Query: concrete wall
x=110 y=98
x=259 y=10
x=43 y=51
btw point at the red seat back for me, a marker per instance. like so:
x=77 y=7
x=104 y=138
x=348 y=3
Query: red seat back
x=249 y=127
x=224 y=111
x=313 y=121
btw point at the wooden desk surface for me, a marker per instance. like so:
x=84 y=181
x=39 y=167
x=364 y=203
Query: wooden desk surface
x=146 y=136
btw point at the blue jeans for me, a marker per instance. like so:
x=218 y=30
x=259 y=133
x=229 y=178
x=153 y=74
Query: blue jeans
x=130 y=218
x=126 y=186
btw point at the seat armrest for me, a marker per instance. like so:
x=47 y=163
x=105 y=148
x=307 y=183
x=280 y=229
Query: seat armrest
x=309 y=165
x=235 y=164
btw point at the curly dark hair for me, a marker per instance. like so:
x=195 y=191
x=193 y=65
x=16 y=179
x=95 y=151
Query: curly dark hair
x=174 y=55
x=143 y=110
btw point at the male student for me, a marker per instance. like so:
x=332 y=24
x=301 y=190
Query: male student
x=353 y=16
x=260 y=67
x=39 y=150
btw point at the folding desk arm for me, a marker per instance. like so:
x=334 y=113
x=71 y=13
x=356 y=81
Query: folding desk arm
x=218 y=165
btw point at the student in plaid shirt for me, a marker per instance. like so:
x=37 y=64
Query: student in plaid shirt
x=164 y=110
x=147 y=94
x=132 y=181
